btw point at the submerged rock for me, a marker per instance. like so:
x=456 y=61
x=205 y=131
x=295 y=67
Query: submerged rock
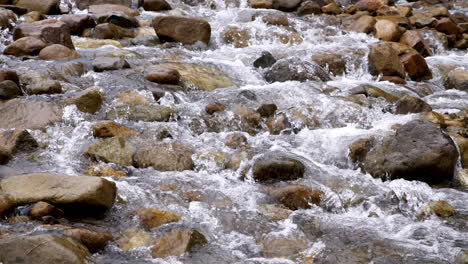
x=112 y=150
x=418 y=151
x=181 y=29
x=109 y=64
x=111 y=129
x=178 y=242
x=294 y=69
x=142 y=112
x=93 y=240
x=164 y=76
x=17 y=140
x=165 y=157
x=411 y=104
x=87 y=101
x=152 y=218
x=277 y=166
x=296 y=197
x=457 y=79
x=264 y=61
x=26 y=114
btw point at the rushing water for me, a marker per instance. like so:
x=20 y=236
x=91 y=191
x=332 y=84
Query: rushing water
x=227 y=211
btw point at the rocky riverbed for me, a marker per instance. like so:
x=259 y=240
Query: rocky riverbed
x=234 y=131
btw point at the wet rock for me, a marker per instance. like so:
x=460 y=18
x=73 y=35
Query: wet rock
x=393 y=79
x=58 y=52
x=335 y=63
x=275 y=212
x=6 y=204
x=264 y=61
x=387 y=30
x=50 y=31
x=383 y=59
x=9 y=90
x=132 y=97
x=119 y=19
x=359 y=149
x=93 y=240
x=364 y=24
x=261 y=4
x=42 y=249
x=180 y=29
x=44 y=87
x=447 y=26
x=286 y=5
x=415 y=66
x=278 y=247
x=164 y=76
x=295 y=70
x=404 y=11
x=131 y=239
x=111 y=31
x=372 y=91
x=112 y=150
x=457 y=79
x=296 y=197
x=109 y=64
x=114 y=5
x=235 y=140
x=331 y=9
x=7 y=74
x=370 y=5
x=462 y=143
x=78 y=23
x=277 y=123
x=74 y=192
x=418 y=151
x=111 y=129
x=267 y=110
x=48 y=7
x=178 y=242
x=277 y=166
x=87 y=101
x=388 y=11
x=5 y=156
x=87 y=43
x=462 y=257
x=165 y=157
x=308 y=8
x=17 y=140
x=440 y=208
x=6 y=18
x=413 y=39
x=277 y=20
x=420 y=20
x=147 y=113
x=156 y=5
x=26 y=114
x=411 y=104
x=249 y=95
x=214 y=107
x=27 y=46
x=33 y=16
x=152 y=218
x=41 y=209
x=104 y=171
x=236 y=36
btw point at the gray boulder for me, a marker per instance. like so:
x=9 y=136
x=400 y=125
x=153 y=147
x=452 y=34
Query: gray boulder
x=294 y=69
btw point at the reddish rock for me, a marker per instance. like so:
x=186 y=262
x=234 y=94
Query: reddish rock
x=275 y=19
x=27 y=46
x=447 y=26
x=6 y=202
x=93 y=240
x=413 y=39
x=370 y=5
x=383 y=59
x=331 y=9
x=181 y=29
x=261 y=3
x=164 y=76
x=415 y=66
x=364 y=24
x=41 y=209
x=387 y=30
x=297 y=197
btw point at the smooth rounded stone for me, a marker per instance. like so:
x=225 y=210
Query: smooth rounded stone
x=165 y=157
x=249 y=119
x=364 y=24
x=383 y=59
x=295 y=197
x=156 y=5
x=359 y=148
x=331 y=9
x=111 y=31
x=74 y=192
x=111 y=129
x=283 y=247
x=214 y=107
x=462 y=257
x=440 y=208
x=181 y=29
x=370 y=5
x=413 y=39
x=335 y=63
x=286 y=5
x=9 y=90
x=178 y=242
x=309 y=8
x=275 y=19
x=104 y=6
x=17 y=141
x=44 y=248
x=120 y=19
x=235 y=140
x=294 y=69
x=152 y=217
x=50 y=31
x=265 y=60
x=87 y=101
x=7 y=74
x=387 y=30
x=93 y=240
x=238 y=37
x=132 y=97
x=147 y=113
x=457 y=79
x=276 y=124
x=6 y=18
x=418 y=151
x=410 y=104
x=277 y=166
x=29 y=114
x=109 y=64
x=58 y=52
x=5 y=156
x=6 y=204
x=33 y=16
x=41 y=209
x=48 y=7
x=44 y=87
x=78 y=23
x=267 y=110
x=421 y=20
x=27 y=46
x=112 y=150
x=164 y=76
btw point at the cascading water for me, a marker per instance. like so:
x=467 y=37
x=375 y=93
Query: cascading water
x=360 y=218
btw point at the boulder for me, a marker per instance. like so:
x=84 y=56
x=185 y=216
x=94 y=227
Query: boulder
x=335 y=63
x=119 y=19
x=156 y=5
x=267 y=110
x=93 y=240
x=26 y=114
x=364 y=24
x=415 y=66
x=294 y=69
x=164 y=76
x=309 y=8
x=83 y=4
x=286 y=5
x=78 y=23
x=47 y=7
x=152 y=218
x=275 y=19
x=359 y=149
x=387 y=30
x=235 y=140
x=214 y=107
x=370 y=5
x=109 y=64
x=440 y=208
x=50 y=31
x=9 y=90
x=383 y=59
x=418 y=151
x=6 y=18
x=44 y=248
x=420 y=20
x=58 y=52
x=17 y=141
x=277 y=123
x=457 y=79
x=87 y=101
x=146 y=113
x=5 y=156
x=112 y=150
x=111 y=129
x=44 y=87
x=413 y=39
x=111 y=31
x=295 y=197
x=33 y=16
x=178 y=242
x=410 y=104
x=41 y=209
x=7 y=74
x=165 y=157
x=447 y=26
x=265 y=60
x=6 y=204
x=277 y=166
x=72 y=192
x=331 y=9
x=261 y=4
x=181 y=29
x=27 y=46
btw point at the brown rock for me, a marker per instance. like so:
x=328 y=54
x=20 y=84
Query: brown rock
x=296 y=197
x=462 y=143
x=277 y=20
x=6 y=204
x=308 y=8
x=33 y=16
x=364 y=24
x=112 y=150
x=102 y=171
x=278 y=247
x=27 y=46
x=447 y=26
x=278 y=123
x=383 y=59
x=9 y=90
x=416 y=66
x=88 y=101
x=413 y=39
x=151 y=217
x=78 y=23
x=5 y=156
x=276 y=166
x=41 y=209
x=370 y=5
x=359 y=148
x=180 y=29
x=388 y=11
x=331 y=9
x=410 y=104
x=111 y=31
x=335 y=63
x=165 y=157
x=267 y=110
x=164 y=76
x=93 y=240
x=420 y=20
x=48 y=7
x=214 y=107
x=393 y=79
x=7 y=74
x=156 y=5
x=235 y=140
x=44 y=87
x=387 y=30
x=238 y=37
x=111 y=129
x=441 y=208
x=457 y=79
x=261 y=3
x=50 y=31
x=17 y=140
x=404 y=11
x=178 y=242
x=101 y=7
x=6 y=18
x=27 y=114
x=58 y=52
